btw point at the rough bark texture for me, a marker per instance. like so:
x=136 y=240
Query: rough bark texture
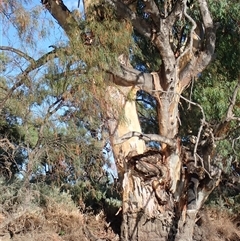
x=163 y=190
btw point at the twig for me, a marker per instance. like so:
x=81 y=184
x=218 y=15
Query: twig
x=203 y=122
x=230 y=115
x=209 y=175
x=20 y=53
x=233 y=144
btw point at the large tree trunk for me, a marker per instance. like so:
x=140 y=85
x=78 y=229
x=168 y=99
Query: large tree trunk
x=164 y=189
x=161 y=206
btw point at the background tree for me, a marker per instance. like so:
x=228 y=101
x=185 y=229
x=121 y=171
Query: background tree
x=169 y=43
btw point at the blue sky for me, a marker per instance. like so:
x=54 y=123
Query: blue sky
x=8 y=37
x=8 y=34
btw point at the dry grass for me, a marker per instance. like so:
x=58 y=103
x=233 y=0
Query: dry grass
x=56 y=220
x=54 y=217
x=218 y=225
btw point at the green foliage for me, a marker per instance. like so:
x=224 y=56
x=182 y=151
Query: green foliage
x=144 y=53
x=211 y=89
x=95 y=194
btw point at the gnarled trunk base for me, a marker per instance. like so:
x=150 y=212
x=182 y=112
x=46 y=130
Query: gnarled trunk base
x=140 y=227
x=152 y=208
x=148 y=205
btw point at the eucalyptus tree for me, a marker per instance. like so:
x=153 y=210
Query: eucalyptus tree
x=114 y=53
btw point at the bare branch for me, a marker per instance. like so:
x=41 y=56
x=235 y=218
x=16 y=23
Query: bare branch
x=128 y=76
x=146 y=137
x=203 y=166
x=20 y=53
x=222 y=129
x=210 y=31
x=194 y=25
x=203 y=122
x=230 y=115
x=197 y=65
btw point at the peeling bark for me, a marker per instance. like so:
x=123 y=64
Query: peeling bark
x=122 y=118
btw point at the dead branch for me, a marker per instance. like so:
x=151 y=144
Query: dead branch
x=146 y=137
x=203 y=122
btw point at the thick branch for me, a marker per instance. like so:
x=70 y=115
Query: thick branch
x=209 y=27
x=128 y=76
x=152 y=9
x=139 y=24
x=162 y=42
x=125 y=76
x=146 y=137
x=197 y=65
x=63 y=16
